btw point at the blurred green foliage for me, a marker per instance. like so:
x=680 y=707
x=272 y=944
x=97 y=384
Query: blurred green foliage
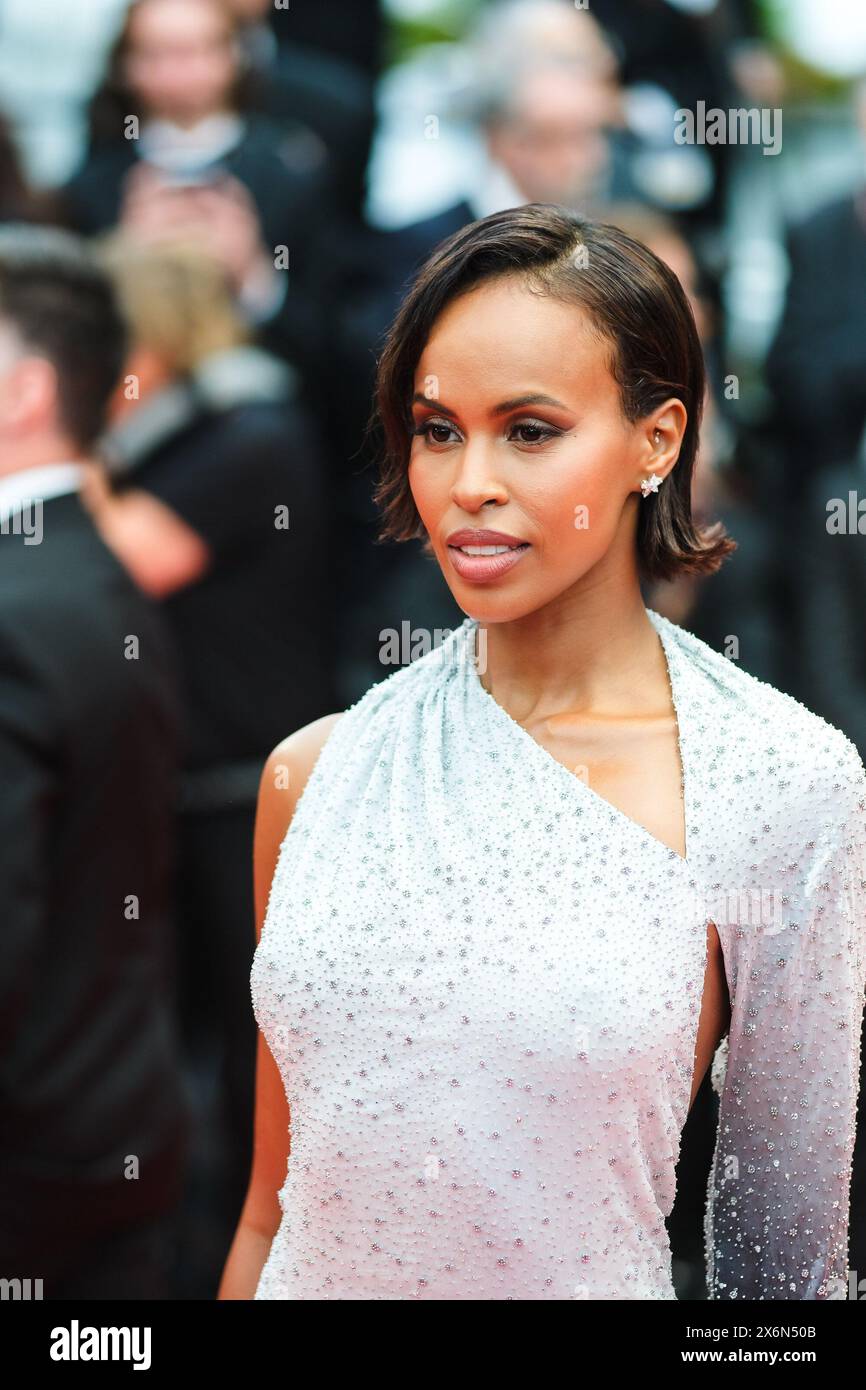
x=442 y=22
x=411 y=26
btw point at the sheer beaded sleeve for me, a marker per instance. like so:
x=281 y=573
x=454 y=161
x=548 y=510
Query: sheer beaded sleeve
x=776 y=1219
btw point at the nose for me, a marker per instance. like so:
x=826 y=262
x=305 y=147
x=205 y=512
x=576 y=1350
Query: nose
x=477 y=481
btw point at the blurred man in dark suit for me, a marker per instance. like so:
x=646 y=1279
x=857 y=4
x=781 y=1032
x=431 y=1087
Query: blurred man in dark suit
x=310 y=85
x=94 y=1121
x=816 y=366
x=816 y=369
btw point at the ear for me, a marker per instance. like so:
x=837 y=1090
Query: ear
x=663 y=432
x=35 y=394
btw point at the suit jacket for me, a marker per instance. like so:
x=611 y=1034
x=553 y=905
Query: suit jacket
x=305 y=89
x=831 y=571
x=89 y=1074
x=253 y=636
x=816 y=366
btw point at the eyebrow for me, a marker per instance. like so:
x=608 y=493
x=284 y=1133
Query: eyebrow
x=504 y=407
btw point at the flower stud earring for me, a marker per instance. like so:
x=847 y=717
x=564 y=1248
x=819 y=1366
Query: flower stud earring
x=650 y=484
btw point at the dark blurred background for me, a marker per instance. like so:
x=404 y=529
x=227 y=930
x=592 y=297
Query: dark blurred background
x=257 y=184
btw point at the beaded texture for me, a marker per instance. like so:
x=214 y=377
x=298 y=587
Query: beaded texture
x=481 y=983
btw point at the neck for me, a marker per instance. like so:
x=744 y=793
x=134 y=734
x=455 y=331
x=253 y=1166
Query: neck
x=19 y=454
x=593 y=650
x=190 y=121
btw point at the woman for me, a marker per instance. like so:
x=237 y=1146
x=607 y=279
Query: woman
x=503 y=939
x=175 y=155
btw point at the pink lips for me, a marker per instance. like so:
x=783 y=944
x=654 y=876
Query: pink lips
x=484 y=567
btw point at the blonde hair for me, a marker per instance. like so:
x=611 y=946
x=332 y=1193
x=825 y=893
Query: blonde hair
x=177 y=301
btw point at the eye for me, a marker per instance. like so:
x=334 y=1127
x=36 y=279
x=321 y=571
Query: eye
x=424 y=431
x=533 y=432
x=538 y=432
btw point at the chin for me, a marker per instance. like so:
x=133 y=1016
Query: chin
x=492 y=607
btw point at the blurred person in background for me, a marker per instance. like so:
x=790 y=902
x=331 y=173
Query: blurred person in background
x=830 y=645
x=176 y=153
x=352 y=30
x=571 y=105
x=18 y=201
x=217 y=502
x=832 y=566
x=51 y=58
x=323 y=60
x=673 y=54
x=323 y=95
x=816 y=365
x=545 y=100
x=816 y=368
x=93 y=1113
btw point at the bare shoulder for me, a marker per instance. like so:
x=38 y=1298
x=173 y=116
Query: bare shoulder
x=284 y=776
x=289 y=765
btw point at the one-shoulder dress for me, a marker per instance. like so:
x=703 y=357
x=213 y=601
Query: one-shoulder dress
x=481 y=982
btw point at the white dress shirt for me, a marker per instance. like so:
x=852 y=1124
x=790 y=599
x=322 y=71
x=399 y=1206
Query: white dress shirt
x=20 y=489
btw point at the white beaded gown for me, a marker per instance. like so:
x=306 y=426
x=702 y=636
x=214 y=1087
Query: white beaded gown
x=481 y=983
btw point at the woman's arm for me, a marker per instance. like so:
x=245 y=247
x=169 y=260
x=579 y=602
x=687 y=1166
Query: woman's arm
x=283 y=779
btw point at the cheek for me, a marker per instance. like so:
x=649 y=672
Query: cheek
x=223 y=74
x=429 y=488
x=579 y=500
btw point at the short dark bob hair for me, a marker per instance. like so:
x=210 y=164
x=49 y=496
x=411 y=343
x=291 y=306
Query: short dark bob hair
x=630 y=296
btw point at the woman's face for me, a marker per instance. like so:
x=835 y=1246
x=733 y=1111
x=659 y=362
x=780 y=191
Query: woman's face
x=560 y=475
x=181 y=62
